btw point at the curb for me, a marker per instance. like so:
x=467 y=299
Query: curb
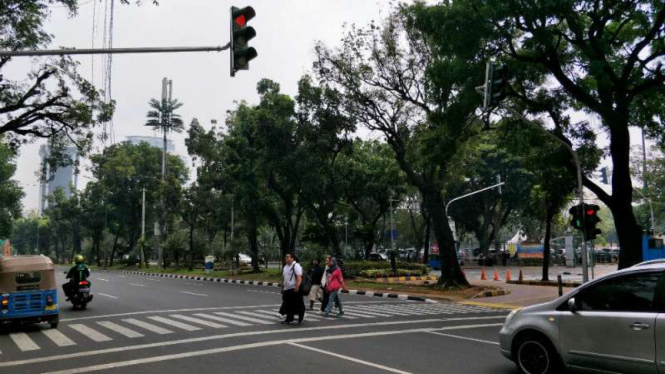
x=492 y=305
x=384 y=295
x=492 y=293
x=548 y=284
x=403 y=279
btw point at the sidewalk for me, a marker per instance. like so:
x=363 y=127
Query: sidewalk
x=519 y=296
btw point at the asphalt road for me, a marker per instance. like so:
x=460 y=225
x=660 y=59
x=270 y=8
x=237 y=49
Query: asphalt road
x=138 y=324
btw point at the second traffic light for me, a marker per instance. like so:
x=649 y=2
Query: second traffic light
x=241 y=34
x=496 y=81
x=590 y=221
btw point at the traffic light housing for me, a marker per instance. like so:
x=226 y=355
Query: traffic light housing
x=591 y=220
x=576 y=219
x=603 y=176
x=496 y=81
x=241 y=34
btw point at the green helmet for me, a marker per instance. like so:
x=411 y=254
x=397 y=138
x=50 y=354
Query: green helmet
x=79 y=259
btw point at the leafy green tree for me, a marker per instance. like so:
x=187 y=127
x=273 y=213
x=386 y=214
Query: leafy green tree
x=601 y=57
x=421 y=97
x=10 y=192
x=373 y=180
x=123 y=171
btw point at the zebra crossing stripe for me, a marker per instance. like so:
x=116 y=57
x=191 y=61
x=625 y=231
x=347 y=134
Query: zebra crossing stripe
x=120 y=329
x=356 y=314
x=364 y=311
x=199 y=321
x=244 y=318
x=90 y=333
x=259 y=315
x=147 y=326
x=422 y=311
x=60 y=339
x=173 y=323
x=23 y=342
x=222 y=319
x=394 y=311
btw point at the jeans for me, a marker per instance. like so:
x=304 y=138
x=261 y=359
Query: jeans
x=332 y=300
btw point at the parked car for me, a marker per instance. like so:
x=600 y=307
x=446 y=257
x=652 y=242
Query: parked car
x=607 y=325
x=376 y=256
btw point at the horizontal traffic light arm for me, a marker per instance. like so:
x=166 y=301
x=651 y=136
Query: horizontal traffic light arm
x=100 y=51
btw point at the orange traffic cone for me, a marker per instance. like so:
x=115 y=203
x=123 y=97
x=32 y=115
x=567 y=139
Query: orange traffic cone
x=496 y=275
x=508 y=276
x=483 y=276
x=521 y=279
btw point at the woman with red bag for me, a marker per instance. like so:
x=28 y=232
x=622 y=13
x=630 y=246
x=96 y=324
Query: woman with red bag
x=334 y=285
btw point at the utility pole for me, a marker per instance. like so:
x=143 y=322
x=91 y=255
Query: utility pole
x=392 y=227
x=142 y=230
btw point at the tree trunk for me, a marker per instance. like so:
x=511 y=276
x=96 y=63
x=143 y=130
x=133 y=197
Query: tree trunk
x=546 y=250
x=451 y=273
x=115 y=244
x=253 y=243
x=191 y=247
x=428 y=229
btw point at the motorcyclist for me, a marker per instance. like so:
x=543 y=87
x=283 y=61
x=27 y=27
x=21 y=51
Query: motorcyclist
x=77 y=273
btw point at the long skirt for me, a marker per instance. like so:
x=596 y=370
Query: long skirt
x=292 y=304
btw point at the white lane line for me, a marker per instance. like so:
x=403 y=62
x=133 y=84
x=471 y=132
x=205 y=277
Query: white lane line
x=140 y=361
x=136 y=284
x=147 y=326
x=276 y=293
x=23 y=342
x=120 y=329
x=90 y=333
x=464 y=338
x=198 y=321
x=102 y=279
x=222 y=319
x=109 y=296
x=195 y=294
x=244 y=318
x=171 y=343
x=357 y=361
x=60 y=339
x=154 y=280
x=173 y=323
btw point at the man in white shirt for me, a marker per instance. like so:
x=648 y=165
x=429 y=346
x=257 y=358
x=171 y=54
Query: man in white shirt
x=292 y=302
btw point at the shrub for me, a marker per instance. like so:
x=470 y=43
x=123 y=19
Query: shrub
x=354 y=268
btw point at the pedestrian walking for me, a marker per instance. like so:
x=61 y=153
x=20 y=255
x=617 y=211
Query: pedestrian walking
x=292 y=302
x=334 y=285
x=317 y=276
x=325 y=295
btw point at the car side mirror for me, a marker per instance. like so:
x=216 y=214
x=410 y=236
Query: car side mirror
x=571 y=305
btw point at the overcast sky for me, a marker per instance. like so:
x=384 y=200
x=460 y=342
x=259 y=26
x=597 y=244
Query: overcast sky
x=286 y=34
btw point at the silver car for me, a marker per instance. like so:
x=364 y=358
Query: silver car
x=615 y=324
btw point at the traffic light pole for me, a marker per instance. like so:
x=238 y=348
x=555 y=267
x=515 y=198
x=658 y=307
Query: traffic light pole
x=104 y=51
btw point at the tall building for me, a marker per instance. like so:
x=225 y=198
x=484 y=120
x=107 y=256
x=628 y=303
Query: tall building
x=154 y=141
x=62 y=177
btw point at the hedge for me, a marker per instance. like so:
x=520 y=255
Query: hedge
x=380 y=273
x=354 y=268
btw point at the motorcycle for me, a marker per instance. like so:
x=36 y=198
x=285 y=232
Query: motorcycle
x=81 y=295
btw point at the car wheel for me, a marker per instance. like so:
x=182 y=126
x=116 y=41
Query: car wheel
x=536 y=355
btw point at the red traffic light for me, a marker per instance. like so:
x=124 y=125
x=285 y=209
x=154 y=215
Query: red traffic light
x=590 y=212
x=241 y=20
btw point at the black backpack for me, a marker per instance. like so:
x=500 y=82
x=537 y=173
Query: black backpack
x=306 y=284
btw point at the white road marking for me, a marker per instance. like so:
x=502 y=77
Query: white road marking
x=60 y=339
x=356 y=315
x=244 y=318
x=90 y=333
x=126 y=363
x=464 y=338
x=195 y=294
x=394 y=311
x=170 y=322
x=136 y=284
x=198 y=320
x=102 y=279
x=148 y=326
x=154 y=280
x=120 y=329
x=365 y=311
x=276 y=293
x=259 y=315
x=357 y=361
x=110 y=296
x=222 y=319
x=23 y=342
x=254 y=333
